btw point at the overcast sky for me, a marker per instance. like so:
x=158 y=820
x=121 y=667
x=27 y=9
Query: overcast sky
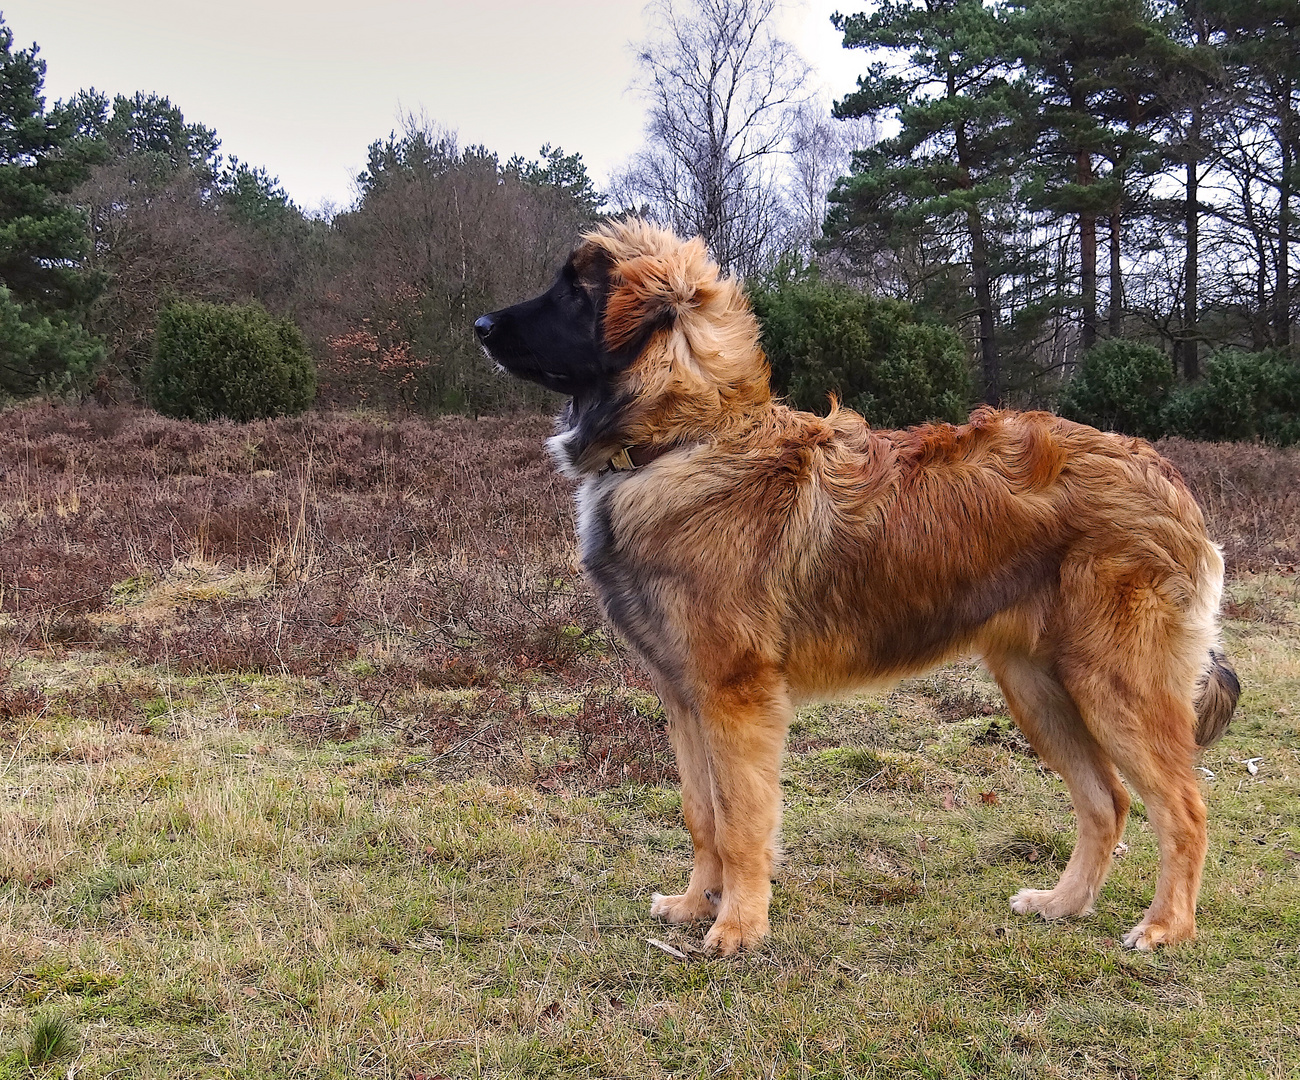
x=303 y=88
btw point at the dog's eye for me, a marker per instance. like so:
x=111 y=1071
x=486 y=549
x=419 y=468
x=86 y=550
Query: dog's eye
x=579 y=295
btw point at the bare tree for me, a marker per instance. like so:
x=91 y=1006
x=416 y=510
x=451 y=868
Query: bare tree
x=439 y=234
x=722 y=88
x=820 y=152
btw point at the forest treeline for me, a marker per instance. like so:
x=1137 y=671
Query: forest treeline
x=113 y=208
x=1068 y=170
x=1035 y=178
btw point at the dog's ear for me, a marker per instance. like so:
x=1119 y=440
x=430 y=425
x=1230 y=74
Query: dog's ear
x=645 y=294
x=591 y=266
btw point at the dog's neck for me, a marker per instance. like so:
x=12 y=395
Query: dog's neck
x=631 y=458
x=619 y=431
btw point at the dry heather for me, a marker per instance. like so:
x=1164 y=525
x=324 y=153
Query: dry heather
x=393 y=560
x=313 y=537
x=1251 y=497
x=294 y=543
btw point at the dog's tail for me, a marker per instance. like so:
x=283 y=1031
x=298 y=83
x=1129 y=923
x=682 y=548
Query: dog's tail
x=1217 y=692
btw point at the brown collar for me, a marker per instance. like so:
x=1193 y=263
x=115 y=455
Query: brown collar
x=635 y=457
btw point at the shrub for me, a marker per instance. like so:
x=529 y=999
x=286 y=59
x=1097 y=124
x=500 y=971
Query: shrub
x=1243 y=396
x=1121 y=386
x=824 y=338
x=235 y=361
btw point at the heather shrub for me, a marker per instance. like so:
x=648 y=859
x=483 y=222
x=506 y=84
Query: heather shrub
x=874 y=354
x=1242 y=396
x=228 y=361
x=1120 y=386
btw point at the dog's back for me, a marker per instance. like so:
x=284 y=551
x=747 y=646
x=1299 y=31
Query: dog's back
x=864 y=555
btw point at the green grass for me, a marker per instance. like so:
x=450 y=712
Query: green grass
x=211 y=893
x=50 y=1038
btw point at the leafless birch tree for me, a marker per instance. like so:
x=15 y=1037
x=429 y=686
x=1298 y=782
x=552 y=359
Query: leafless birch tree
x=722 y=90
x=820 y=152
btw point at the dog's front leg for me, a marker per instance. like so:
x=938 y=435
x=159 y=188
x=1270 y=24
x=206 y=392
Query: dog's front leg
x=700 y=899
x=744 y=724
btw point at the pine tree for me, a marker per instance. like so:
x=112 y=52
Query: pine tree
x=1136 y=55
x=1092 y=65
x=146 y=132
x=564 y=174
x=44 y=291
x=1195 y=87
x=1262 y=49
x=951 y=160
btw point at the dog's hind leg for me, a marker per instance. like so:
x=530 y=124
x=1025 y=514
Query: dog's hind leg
x=700 y=899
x=744 y=721
x=1149 y=734
x=1047 y=715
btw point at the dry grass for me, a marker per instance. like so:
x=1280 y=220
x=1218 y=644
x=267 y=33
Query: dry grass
x=292 y=546
x=1251 y=498
x=316 y=762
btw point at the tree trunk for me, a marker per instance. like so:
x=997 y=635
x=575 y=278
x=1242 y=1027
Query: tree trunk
x=1261 y=316
x=1087 y=258
x=982 y=279
x=979 y=265
x=1115 y=316
x=1282 y=297
x=1189 y=342
x=1259 y=332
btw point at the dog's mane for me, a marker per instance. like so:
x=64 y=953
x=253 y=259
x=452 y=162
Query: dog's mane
x=699 y=372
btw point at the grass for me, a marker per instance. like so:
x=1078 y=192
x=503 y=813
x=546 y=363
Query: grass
x=52 y=1037
x=426 y=849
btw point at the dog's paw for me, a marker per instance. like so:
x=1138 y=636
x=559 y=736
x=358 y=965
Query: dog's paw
x=1049 y=903
x=1149 y=933
x=683 y=907
x=727 y=937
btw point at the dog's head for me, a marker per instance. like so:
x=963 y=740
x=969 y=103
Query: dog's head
x=643 y=333
x=555 y=339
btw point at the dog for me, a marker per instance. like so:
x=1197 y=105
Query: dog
x=756 y=557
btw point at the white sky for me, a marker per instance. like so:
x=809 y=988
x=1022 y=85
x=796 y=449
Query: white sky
x=303 y=88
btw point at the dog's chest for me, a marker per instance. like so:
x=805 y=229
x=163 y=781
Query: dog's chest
x=622 y=586
x=597 y=543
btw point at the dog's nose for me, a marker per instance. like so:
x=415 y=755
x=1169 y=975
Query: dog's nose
x=483 y=327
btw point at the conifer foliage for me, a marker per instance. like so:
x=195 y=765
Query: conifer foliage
x=875 y=355
x=44 y=290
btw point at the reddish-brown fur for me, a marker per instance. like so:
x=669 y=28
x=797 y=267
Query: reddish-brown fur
x=768 y=556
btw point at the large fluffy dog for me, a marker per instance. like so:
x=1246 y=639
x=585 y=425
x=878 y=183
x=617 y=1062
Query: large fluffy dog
x=756 y=557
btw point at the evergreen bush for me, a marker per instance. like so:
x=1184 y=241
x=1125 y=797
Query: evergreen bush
x=1120 y=386
x=1243 y=396
x=874 y=354
x=236 y=361
x=40 y=353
